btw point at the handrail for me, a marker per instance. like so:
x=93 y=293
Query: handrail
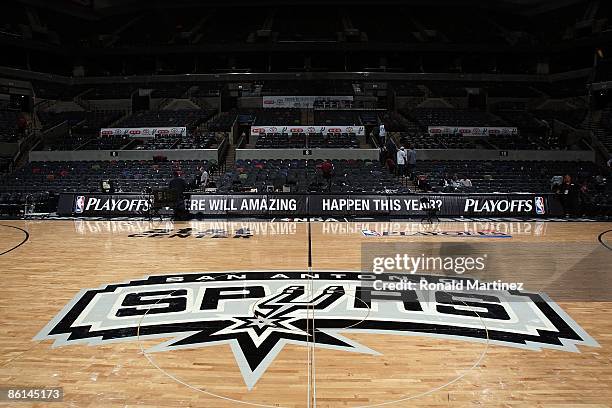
x=256 y=76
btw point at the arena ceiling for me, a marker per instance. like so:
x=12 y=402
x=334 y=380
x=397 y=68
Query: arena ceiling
x=105 y=7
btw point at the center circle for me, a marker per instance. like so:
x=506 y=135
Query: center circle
x=377 y=373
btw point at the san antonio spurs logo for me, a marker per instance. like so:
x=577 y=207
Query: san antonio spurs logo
x=257 y=313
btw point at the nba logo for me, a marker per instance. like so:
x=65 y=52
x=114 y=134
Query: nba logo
x=539 y=205
x=79 y=204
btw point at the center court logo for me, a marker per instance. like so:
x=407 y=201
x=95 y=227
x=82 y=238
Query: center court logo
x=257 y=313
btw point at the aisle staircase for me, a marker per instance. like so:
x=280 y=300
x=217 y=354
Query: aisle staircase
x=230 y=159
x=304 y=117
x=601 y=138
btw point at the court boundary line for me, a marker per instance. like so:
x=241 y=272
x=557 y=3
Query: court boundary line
x=600 y=239
x=25 y=239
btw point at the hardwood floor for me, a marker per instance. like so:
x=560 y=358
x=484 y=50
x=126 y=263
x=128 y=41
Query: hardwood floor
x=425 y=369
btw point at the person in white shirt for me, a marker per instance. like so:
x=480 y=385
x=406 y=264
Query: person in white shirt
x=401 y=162
x=204 y=178
x=382 y=134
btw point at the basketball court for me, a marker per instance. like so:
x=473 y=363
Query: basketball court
x=275 y=314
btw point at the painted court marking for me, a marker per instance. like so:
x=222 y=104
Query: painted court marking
x=312 y=402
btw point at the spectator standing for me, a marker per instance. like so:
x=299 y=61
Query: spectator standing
x=391 y=149
x=178 y=185
x=411 y=159
x=382 y=154
x=390 y=164
x=327 y=171
x=204 y=176
x=22 y=126
x=401 y=161
x=382 y=134
x=570 y=195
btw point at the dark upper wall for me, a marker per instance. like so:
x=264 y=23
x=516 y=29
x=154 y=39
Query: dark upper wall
x=112 y=38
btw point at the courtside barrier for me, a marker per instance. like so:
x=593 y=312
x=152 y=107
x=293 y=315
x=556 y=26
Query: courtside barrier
x=405 y=205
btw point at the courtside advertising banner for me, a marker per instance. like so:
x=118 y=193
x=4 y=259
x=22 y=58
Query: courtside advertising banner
x=490 y=205
x=472 y=131
x=144 y=132
x=299 y=102
x=310 y=130
x=417 y=205
x=107 y=204
x=237 y=204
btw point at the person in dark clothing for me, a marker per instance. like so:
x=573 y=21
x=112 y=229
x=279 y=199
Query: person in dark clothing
x=390 y=165
x=327 y=171
x=22 y=126
x=178 y=185
x=423 y=183
x=570 y=196
x=391 y=149
x=411 y=159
